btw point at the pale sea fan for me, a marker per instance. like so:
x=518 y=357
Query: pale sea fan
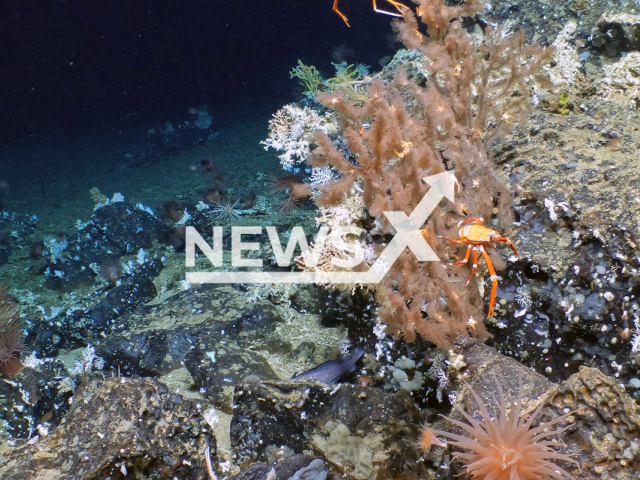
x=507 y=447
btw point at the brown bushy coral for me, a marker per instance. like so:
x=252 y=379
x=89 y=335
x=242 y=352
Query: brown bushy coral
x=471 y=91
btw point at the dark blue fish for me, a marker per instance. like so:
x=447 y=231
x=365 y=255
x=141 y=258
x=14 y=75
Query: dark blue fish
x=331 y=371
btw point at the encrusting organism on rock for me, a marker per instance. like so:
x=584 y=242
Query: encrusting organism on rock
x=468 y=91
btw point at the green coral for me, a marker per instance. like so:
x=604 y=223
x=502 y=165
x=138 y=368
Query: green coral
x=348 y=79
x=345 y=75
x=309 y=77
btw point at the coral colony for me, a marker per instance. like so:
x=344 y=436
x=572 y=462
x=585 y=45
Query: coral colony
x=425 y=117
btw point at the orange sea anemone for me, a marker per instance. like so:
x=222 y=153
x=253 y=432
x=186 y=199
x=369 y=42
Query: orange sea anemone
x=207 y=165
x=365 y=380
x=172 y=210
x=295 y=189
x=11 y=345
x=212 y=197
x=428 y=439
x=11 y=340
x=284 y=183
x=507 y=447
x=295 y=197
x=248 y=198
x=111 y=270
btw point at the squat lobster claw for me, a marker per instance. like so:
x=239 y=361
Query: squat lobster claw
x=479 y=238
x=399 y=6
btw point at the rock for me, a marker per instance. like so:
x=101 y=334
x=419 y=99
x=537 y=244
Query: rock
x=605 y=419
x=298 y=416
x=483 y=364
x=304 y=298
x=217 y=371
x=34 y=397
x=592 y=309
x=578 y=240
x=117 y=426
x=590 y=202
x=587 y=13
x=411 y=60
x=155 y=339
x=73 y=327
x=149 y=353
x=114 y=230
x=624 y=28
x=214 y=314
x=296 y=467
x=606 y=424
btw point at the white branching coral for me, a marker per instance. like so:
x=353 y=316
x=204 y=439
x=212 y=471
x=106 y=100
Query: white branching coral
x=635 y=341
x=331 y=252
x=523 y=297
x=567 y=65
x=32 y=361
x=89 y=361
x=66 y=385
x=289 y=129
x=349 y=212
x=321 y=176
x=551 y=208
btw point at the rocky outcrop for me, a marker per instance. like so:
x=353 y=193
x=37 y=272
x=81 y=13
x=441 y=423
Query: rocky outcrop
x=116 y=426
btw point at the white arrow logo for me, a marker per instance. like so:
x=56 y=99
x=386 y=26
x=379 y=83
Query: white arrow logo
x=407 y=235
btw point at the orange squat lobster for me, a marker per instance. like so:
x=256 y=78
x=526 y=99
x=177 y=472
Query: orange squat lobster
x=479 y=238
x=398 y=6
